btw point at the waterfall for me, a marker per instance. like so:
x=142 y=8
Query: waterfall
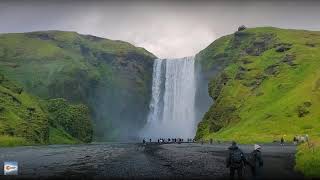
x=172 y=106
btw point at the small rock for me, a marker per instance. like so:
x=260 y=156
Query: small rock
x=282 y=49
x=242 y=27
x=289 y=59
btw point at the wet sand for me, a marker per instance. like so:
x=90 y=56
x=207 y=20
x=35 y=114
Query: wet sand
x=127 y=160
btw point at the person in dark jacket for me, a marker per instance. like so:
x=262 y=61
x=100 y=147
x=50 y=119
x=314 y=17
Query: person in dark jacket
x=256 y=161
x=236 y=160
x=282 y=141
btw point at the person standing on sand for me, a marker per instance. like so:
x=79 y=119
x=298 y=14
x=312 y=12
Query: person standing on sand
x=235 y=160
x=256 y=162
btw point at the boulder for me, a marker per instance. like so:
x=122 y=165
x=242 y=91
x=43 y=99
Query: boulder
x=242 y=27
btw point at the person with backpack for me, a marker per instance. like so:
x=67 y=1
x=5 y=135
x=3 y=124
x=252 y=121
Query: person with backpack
x=236 y=160
x=256 y=161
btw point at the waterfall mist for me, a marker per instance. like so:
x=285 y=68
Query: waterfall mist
x=172 y=107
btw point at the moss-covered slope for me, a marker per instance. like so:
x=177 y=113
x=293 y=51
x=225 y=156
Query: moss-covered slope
x=266 y=84
x=111 y=77
x=22 y=120
x=27 y=120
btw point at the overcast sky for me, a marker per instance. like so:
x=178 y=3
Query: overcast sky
x=166 y=28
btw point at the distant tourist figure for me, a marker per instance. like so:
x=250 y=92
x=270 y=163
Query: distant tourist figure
x=282 y=141
x=150 y=140
x=235 y=160
x=143 y=141
x=255 y=161
x=295 y=140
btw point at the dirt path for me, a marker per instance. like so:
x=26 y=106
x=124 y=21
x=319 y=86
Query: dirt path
x=137 y=160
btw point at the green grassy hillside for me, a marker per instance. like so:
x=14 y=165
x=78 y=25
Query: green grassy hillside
x=269 y=85
x=27 y=120
x=266 y=85
x=100 y=73
x=22 y=120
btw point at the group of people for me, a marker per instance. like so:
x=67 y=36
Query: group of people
x=169 y=140
x=237 y=160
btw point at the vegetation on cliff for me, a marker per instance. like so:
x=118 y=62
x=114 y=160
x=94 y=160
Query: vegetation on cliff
x=266 y=85
x=270 y=79
x=112 y=78
x=27 y=120
x=308 y=158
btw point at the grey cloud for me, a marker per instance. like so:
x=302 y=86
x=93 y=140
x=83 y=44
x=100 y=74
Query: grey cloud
x=167 y=29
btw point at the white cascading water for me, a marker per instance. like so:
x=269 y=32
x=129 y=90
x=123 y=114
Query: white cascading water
x=172 y=106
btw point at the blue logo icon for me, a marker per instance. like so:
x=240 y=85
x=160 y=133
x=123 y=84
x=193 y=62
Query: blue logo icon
x=10 y=168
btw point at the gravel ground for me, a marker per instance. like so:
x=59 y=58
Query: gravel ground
x=196 y=160
x=136 y=160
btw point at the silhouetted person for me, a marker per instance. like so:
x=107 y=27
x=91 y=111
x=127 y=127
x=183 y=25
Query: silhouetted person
x=295 y=140
x=211 y=141
x=282 y=141
x=158 y=141
x=150 y=140
x=143 y=141
x=256 y=161
x=235 y=160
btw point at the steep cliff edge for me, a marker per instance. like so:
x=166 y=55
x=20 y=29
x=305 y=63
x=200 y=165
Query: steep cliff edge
x=265 y=84
x=112 y=78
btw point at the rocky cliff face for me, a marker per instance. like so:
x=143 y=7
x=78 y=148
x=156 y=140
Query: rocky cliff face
x=112 y=78
x=264 y=83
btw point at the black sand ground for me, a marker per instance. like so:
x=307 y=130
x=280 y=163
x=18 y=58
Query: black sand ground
x=136 y=160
